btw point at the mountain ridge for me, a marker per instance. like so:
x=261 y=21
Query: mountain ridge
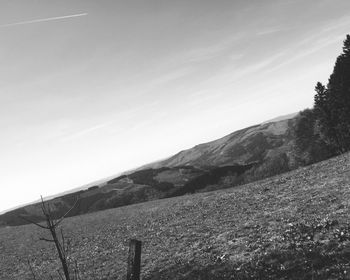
x=236 y=158
x=163 y=162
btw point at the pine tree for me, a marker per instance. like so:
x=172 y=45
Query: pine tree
x=325 y=119
x=332 y=103
x=310 y=147
x=346 y=47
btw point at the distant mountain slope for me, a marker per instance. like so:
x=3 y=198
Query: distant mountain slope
x=246 y=155
x=281 y=118
x=140 y=186
x=253 y=144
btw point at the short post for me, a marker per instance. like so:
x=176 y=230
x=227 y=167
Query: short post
x=134 y=260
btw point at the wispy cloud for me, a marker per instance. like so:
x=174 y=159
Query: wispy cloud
x=200 y=54
x=232 y=74
x=170 y=76
x=122 y=120
x=269 y=31
x=266 y=62
x=337 y=24
x=43 y=20
x=87 y=131
x=306 y=51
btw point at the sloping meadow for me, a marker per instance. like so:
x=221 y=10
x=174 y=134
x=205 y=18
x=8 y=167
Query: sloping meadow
x=291 y=226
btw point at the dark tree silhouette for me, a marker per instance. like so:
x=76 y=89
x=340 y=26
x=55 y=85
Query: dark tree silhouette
x=332 y=103
x=310 y=147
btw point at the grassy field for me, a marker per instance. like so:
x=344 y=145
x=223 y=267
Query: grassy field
x=292 y=226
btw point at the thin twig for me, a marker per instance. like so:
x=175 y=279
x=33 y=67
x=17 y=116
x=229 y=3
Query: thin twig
x=45 y=239
x=60 y=275
x=31 y=270
x=32 y=222
x=65 y=215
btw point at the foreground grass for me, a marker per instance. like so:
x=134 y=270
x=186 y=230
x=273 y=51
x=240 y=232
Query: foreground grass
x=292 y=226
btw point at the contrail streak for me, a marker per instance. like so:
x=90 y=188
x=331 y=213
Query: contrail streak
x=43 y=19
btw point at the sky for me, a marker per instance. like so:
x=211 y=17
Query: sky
x=91 y=88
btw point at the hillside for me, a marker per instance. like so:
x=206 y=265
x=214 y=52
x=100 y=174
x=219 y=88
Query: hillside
x=243 y=156
x=140 y=186
x=291 y=226
x=255 y=143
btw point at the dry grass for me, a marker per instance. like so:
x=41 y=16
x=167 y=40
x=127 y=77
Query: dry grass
x=215 y=235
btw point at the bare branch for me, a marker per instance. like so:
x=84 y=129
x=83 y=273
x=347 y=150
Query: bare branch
x=62 y=246
x=46 y=213
x=65 y=244
x=43 y=207
x=60 y=275
x=65 y=215
x=76 y=271
x=32 y=222
x=31 y=270
x=45 y=239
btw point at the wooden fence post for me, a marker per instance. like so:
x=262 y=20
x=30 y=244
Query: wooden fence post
x=134 y=260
